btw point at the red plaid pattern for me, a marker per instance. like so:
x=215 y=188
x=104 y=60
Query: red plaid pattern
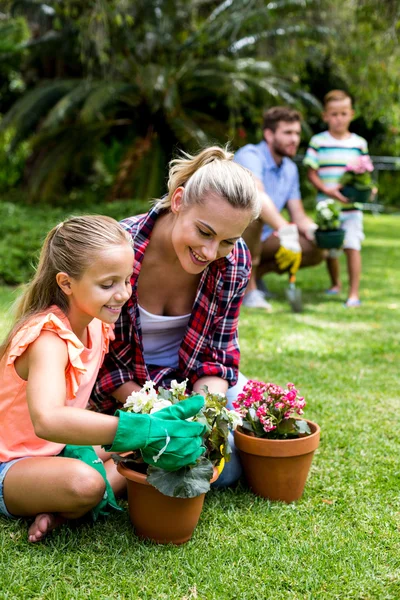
x=210 y=345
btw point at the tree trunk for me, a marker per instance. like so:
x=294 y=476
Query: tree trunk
x=130 y=161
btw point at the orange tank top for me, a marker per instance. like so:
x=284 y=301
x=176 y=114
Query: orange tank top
x=17 y=435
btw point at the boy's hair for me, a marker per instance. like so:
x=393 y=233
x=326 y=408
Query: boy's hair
x=212 y=172
x=336 y=96
x=274 y=115
x=69 y=247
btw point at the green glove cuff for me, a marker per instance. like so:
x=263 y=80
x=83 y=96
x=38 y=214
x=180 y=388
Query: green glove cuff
x=132 y=432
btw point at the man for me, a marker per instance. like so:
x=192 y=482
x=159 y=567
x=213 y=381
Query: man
x=274 y=243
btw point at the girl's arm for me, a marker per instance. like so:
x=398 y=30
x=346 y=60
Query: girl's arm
x=54 y=421
x=46 y=396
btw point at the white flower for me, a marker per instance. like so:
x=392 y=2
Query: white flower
x=149 y=389
x=323 y=204
x=327 y=213
x=234 y=419
x=178 y=389
x=159 y=405
x=139 y=402
x=143 y=400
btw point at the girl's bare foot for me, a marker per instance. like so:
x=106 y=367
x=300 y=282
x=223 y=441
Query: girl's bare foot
x=42 y=525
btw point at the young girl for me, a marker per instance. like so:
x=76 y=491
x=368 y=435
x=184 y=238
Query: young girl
x=48 y=366
x=189 y=278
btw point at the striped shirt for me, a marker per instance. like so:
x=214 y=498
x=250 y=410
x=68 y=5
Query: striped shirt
x=210 y=345
x=330 y=156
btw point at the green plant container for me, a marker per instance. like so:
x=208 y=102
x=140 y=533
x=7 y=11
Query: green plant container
x=331 y=238
x=356 y=195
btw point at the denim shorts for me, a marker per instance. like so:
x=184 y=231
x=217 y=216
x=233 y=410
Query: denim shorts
x=3 y=472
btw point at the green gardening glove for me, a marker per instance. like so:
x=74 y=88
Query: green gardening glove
x=165 y=438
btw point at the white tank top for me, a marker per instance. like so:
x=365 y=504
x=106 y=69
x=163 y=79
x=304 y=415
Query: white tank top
x=162 y=337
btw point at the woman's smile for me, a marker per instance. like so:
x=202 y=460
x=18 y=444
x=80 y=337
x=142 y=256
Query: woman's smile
x=197 y=258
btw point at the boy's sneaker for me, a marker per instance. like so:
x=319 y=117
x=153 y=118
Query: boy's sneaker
x=255 y=299
x=352 y=303
x=261 y=286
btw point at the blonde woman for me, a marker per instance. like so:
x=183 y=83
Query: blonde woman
x=191 y=271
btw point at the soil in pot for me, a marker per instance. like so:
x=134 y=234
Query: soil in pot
x=277 y=469
x=160 y=518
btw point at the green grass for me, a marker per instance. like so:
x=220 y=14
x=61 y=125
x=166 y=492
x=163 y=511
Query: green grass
x=340 y=541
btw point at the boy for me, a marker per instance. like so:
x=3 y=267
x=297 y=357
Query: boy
x=327 y=156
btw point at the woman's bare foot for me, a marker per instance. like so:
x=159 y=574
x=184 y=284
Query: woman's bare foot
x=42 y=525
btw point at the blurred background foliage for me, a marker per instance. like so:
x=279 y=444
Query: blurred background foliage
x=96 y=96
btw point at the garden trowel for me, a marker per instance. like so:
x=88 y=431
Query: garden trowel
x=293 y=294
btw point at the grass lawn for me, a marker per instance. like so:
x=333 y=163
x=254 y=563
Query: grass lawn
x=340 y=541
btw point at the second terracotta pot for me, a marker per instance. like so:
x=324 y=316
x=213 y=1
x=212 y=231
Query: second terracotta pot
x=277 y=469
x=160 y=518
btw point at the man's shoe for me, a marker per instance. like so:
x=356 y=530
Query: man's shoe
x=255 y=299
x=262 y=287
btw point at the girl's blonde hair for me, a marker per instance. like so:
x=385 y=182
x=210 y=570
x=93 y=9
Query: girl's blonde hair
x=212 y=171
x=69 y=247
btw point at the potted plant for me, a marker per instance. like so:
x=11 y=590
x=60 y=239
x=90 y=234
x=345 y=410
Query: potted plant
x=329 y=233
x=357 y=181
x=165 y=506
x=276 y=447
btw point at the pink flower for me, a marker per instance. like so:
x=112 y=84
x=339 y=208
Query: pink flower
x=291 y=396
x=271 y=404
x=361 y=165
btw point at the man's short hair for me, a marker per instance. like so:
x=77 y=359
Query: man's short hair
x=274 y=115
x=336 y=96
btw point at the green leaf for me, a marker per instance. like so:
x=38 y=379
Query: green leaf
x=302 y=427
x=287 y=426
x=187 y=482
x=164 y=394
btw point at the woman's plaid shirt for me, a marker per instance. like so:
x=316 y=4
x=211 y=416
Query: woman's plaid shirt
x=210 y=345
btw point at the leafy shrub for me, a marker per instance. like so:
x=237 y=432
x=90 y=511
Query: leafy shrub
x=23 y=229
x=11 y=163
x=389 y=182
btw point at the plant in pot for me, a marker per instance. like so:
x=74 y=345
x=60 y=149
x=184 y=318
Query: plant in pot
x=357 y=181
x=276 y=447
x=165 y=506
x=329 y=233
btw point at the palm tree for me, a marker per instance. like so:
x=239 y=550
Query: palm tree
x=159 y=74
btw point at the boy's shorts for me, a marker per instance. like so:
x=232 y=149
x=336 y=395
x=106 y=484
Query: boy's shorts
x=3 y=472
x=352 y=222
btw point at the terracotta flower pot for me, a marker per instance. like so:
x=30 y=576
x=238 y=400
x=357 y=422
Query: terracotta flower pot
x=277 y=469
x=160 y=518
